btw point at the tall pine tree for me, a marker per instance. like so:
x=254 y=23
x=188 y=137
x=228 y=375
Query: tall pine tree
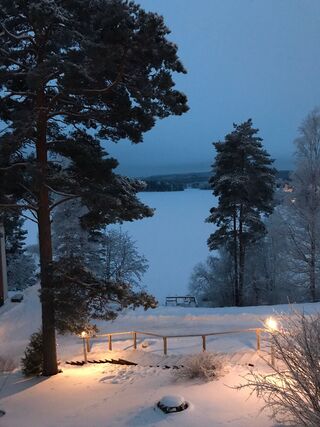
x=244 y=181
x=72 y=75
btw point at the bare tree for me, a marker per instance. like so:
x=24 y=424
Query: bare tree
x=118 y=258
x=111 y=255
x=304 y=204
x=292 y=390
x=212 y=281
x=270 y=272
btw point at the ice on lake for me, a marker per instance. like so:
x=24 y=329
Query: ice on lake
x=174 y=239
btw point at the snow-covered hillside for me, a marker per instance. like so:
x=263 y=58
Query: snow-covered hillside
x=99 y=395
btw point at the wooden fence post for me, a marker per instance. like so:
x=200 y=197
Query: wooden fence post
x=204 y=344
x=88 y=344
x=165 y=346
x=110 y=342
x=84 y=350
x=258 y=339
x=135 y=340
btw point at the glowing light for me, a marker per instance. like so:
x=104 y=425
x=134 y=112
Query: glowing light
x=271 y=324
x=83 y=334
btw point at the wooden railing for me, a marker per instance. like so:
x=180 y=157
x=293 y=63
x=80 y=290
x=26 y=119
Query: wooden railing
x=87 y=338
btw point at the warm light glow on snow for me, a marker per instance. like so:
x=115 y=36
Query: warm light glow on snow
x=271 y=324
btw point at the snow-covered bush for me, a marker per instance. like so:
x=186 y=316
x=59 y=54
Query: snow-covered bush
x=292 y=390
x=204 y=366
x=32 y=362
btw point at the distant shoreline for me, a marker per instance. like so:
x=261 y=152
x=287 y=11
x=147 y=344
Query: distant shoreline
x=182 y=181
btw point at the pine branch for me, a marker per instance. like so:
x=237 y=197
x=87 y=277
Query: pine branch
x=60 y=193
x=54 y=205
x=29 y=218
x=14 y=165
x=28 y=190
x=106 y=89
x=19 y=37
x=7 y=56
x=67 y=113
x=14 y=206
x=34 y=216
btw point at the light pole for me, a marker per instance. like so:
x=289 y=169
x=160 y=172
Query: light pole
x=272 y=327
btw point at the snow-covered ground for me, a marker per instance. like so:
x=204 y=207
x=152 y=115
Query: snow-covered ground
x=99 y=395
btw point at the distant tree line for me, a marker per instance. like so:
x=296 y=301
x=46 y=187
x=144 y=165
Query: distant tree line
x=280 y=230
x=162 y=186
x=198 y=180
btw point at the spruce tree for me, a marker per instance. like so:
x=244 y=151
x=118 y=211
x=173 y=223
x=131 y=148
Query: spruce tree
x=244 y=181
x=15 y=234
x=74 y=74
x=69 y=238
x=21 y=266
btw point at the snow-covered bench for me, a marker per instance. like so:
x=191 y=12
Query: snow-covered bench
x=185 y=301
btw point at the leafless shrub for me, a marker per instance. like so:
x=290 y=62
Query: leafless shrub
x=292 y=390
x=6 y=364
x=204 y=366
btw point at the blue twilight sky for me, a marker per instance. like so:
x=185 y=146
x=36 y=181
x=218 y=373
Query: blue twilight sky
x=245 y=58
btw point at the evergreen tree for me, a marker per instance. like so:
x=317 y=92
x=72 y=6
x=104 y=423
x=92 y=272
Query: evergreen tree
x=81 y=296
x=72 y=75
x=32 y=362
x=15 y=234
x=244 y=182
x=69 y=238
x=21 y=267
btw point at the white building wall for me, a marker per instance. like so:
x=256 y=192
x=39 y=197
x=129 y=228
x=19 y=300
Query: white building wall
x=3 y=266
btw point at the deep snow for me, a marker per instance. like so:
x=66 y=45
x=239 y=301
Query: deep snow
x=125 y=396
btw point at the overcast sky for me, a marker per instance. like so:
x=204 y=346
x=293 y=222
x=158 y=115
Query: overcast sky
x=245 y=58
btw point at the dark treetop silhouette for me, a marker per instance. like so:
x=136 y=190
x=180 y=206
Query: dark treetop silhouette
x=73 y=74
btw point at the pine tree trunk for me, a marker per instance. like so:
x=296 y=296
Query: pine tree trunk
x=50 y=366
x=235 y=260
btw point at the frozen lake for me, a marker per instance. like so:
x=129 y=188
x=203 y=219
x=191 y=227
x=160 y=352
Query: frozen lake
x=173 y=240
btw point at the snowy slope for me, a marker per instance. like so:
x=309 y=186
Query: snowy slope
x=120 y=396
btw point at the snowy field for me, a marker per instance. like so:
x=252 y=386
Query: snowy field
x=173 y=240
x=100 y=395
